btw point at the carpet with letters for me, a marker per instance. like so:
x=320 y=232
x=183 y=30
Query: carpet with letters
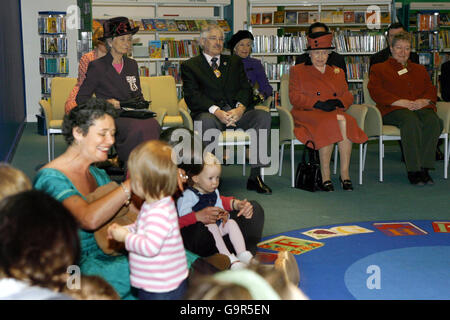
x=389 y=260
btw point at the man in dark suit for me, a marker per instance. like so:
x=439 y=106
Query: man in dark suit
x=334 y=58
x=383 y=55
x=217 y=92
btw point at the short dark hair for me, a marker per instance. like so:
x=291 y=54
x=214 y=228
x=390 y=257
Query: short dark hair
x=83 y=116
x=38 y=239
x=395 y=25
x=318 y=25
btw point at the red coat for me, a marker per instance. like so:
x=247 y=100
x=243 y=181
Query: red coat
x=386 y=85
x=307 y=85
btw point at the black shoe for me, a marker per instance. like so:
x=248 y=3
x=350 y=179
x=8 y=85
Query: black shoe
x=346 y=184
x=258 y=185
x=415 y=177
x=424 y=175
x=327 y=186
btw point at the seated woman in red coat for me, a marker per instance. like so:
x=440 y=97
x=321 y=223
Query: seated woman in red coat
x=406 y=99
x=319 y=96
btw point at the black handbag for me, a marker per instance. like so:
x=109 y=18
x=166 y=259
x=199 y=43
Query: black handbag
x=308 y=176
x=136 y=108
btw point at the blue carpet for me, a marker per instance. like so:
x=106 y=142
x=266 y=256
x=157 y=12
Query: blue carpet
x=394 y=262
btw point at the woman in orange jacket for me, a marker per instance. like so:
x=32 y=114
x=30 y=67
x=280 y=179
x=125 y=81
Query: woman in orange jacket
x=406 y=99
x=319 y=95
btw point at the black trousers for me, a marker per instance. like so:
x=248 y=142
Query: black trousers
x=252 y=119
x=199 y=240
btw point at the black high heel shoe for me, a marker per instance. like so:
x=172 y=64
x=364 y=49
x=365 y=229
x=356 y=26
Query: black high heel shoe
x=327 y=186
x=346 y=184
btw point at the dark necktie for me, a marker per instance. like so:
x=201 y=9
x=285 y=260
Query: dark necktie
x=215 y=67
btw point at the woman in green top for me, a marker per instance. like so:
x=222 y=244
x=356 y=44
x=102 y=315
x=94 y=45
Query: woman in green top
x=89 y=132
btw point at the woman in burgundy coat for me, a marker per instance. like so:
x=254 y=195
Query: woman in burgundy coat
x=319 y=95
x=115 y=78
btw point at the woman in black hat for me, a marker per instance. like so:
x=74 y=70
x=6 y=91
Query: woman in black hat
x=115 y=78
x=241 y=44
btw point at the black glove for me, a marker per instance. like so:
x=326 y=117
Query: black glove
x=325 y=106
x=336 y=102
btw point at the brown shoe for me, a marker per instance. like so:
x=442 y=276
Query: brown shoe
x=218 y=260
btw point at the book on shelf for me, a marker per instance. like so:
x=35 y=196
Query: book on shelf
x=182 y=25
x=349 y=17
x=56 y=45
x=171 y=25
x=139 y=24
x=155 y=49
x=201 y=23
x=356 y=66
x=160 y=24
x=255 y=18
x=211 y=21
x=427 y=41
x=385 y=17
x=338 y=16
x=360 y=17
x=313 y=17
x=302 y=17
x=148 y=24
x=267 y=17
x=144 y=71
x=427 y=21
x=291 y=17
x=326 y=16
x=192 y=26
x=278 y=17
x=52 y=24
x=444 y=18
x=224 y=25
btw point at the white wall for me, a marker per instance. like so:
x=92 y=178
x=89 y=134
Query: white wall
x=31 y=49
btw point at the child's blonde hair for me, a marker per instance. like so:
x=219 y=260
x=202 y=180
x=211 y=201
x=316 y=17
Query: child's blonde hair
x=12 y=180
x=151 y=164
x=93 y=288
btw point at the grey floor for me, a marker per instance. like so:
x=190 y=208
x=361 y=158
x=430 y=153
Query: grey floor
x=289 y=209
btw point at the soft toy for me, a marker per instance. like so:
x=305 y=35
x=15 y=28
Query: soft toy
x=123 y=217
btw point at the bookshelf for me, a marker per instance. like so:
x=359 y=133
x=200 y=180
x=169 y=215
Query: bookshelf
x=53 y=48
x=157 y=48
x=280 y=30
x=429 y=22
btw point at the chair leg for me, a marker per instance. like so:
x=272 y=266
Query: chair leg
x=49 y=147
x=280 y=170
x=292 y=164
x=381 y=152
x=446 y=155
x=335 y=158
x=243 y=161
x=360 y=163
x=364 y=155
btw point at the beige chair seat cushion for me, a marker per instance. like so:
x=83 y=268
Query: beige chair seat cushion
x=390 y=130
x=172 y=121
x=55 y=124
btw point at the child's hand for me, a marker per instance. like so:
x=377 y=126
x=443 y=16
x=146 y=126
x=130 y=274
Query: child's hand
x=245 y=208
x=117 y=232
x=223 y=215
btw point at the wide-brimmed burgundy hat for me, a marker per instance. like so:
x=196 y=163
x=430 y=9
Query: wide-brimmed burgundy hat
x=116 y=27
x=320 y=41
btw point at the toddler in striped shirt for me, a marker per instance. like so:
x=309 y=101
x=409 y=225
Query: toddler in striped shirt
x=158 y=266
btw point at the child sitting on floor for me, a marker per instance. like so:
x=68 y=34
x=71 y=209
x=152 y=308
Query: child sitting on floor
x=158 y=267
x=203 y=180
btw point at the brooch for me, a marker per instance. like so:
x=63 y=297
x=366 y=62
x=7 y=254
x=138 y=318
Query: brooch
x=337 y=70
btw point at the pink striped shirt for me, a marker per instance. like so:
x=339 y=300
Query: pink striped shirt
x=156 y=250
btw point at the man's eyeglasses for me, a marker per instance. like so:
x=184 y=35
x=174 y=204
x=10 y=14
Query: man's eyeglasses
x=216 y=39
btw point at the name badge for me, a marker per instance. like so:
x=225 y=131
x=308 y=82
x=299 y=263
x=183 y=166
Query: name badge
x=403 y=71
